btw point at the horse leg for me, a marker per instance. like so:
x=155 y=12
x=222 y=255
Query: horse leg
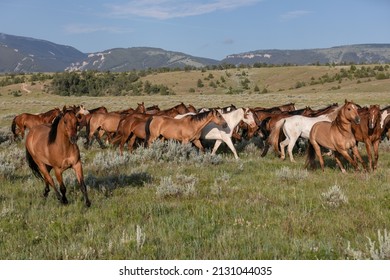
x=283 y=144
x=229 y=143
x=48 y=180
x=80 y=178
x=317 y=150
x=216 y=146
x=376 y=154
x=358 y=156
x=199 y=145
x=338 y=161
x=367 y=142
x=265 y=149
x=346 y=155
x=58 y=173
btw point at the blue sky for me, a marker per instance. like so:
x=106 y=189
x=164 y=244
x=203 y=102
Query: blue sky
x=212 y=28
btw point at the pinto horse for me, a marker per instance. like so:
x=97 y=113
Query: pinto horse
x=187 y=129
x=336 y=136
x=26 y=121
x=294 y=127
x=221 y=134
x=54 y=147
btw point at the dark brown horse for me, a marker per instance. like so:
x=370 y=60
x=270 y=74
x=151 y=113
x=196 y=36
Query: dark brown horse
x=187 y=129
x=336 y=136
x=54 y=147
x=26 y=121
x=369 y=132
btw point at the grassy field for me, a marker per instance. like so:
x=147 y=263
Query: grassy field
x=169 y=202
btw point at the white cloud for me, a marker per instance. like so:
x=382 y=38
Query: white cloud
x=166 y=9
x=83 y=29
x=294 y=15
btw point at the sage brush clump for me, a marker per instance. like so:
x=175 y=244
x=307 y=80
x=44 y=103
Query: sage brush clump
x=334 y=197
x=182 y=186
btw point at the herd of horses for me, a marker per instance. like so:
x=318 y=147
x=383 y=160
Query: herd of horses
x=51 y=142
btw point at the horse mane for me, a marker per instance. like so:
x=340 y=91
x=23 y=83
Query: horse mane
x=200 y=116
x=53 y=129
x=48 y=113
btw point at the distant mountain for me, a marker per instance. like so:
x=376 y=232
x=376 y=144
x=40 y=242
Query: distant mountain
x=367 y=53
x=121 y=59
x=23 y=54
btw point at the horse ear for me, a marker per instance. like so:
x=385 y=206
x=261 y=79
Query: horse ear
x=64 y=109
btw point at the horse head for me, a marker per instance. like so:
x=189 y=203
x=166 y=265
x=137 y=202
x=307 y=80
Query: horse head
x=374 y=115
x=70 y=124
x=218 y=119
x=249 y=118
x=350 y=111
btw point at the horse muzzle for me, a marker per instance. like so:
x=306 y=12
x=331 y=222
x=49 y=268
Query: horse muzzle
x=357 y=120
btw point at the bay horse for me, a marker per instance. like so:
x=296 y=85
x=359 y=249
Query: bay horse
x=369 y=132
x=26 y=121
x=336 y=136
x=294 y=127
x=213 y=131
x=54 y=147
x=187 y=129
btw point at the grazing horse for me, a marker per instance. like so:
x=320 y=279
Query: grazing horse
x=26 y=121
x=336 y=136
x=221 y=134
x=369 y=132
x=54 y=147
x=294 y=127
x=107 y=123
x=187 y=129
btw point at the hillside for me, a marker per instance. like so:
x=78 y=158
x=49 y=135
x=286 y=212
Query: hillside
x=365 y=53
x=25 y=55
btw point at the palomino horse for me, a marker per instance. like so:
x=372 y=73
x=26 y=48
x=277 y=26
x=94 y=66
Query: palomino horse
x=26 y=121
x=187 y=129
x=106 y=123
x=294 y=127
x=221 y=134
x=369 y=132
x=336 y=136
x=54 y=147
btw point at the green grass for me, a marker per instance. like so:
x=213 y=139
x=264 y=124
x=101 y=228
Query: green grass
x=171 y=203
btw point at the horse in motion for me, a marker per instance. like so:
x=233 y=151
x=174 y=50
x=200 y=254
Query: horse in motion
x=294 y=127
x=54 y=147
x=187 y=129
x=221 y=134
x=336 y=136
x=26 y=121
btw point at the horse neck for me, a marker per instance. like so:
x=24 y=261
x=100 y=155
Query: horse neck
x=342 y=123
x=233 y=118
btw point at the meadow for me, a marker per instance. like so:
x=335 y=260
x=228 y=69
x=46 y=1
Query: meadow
x=170 y=202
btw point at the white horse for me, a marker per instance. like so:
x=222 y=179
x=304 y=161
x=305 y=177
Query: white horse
x=294 y=127
x=221 y=134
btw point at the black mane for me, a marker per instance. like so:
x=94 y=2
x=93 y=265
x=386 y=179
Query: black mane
x=53 y=129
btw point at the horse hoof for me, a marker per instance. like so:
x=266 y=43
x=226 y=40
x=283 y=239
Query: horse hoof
x=64 y=200
x=88 y=203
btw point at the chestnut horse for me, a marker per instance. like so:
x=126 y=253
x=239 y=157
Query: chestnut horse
x=187 y=129
x=369 y=132
x=107 y=123
x=336 y=136
x=26 y=121
x=54 y=147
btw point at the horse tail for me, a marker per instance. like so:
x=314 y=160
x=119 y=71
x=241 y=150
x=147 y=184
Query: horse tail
x=33 y=165
x=273 y=138
x=13 y=127
x=311 y=156
x=147 y=130
x=263 y=127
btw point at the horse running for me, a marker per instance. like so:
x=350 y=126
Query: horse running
x=213 y=131
x=26 y=121
x=336 y=136
x=187 y=129
x=54 y=147
x=294 y=127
